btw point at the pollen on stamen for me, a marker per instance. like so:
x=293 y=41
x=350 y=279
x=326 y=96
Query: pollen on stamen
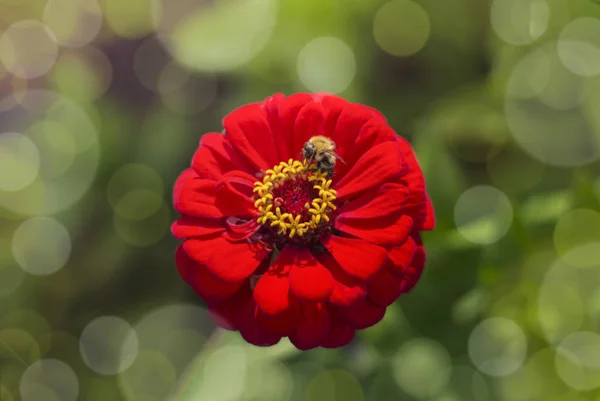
x=294 y=204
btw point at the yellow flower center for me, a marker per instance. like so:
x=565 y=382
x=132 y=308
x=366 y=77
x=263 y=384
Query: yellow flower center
x=294 y=201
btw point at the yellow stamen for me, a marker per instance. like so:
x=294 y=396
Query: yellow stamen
x=288 y=224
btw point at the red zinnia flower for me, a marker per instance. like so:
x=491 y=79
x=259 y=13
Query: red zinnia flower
x=276 y=247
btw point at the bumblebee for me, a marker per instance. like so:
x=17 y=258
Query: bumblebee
x=320 y=150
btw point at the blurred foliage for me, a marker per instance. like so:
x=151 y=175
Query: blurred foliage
x=103 y=104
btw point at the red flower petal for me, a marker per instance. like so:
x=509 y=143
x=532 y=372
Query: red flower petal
x=372 y=133
x=349 y=124
x=313 y=326
x=340 y=333
x=346 y=288
x=412 y=275
x=308 y=123
x=272 y=291
x=429 y=223
x=377 y=166
x=332 y=108
x=362 y=314
x=195 y=196
x=289 y=109
x=357 y=257
x=188 y=226
x=282 y=324
x=199 y=278
x=227 y=261
x=211 y=160
x=416 y=205
x=281 y=137
x=201 y=249
x=249 y=132
x=377 y=217
x=385 y=201
x=185 y=265
x=239 y=229
x=251 y=330
x=310 y=280
x=377 y=114
x=402 y=256
x=384 y=288
x=226 y=314
x=234 y=194
x=391 y=230
x=232 y=263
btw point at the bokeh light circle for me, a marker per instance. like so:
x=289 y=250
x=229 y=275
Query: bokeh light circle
x=74 y=22
x=15 y=88
x=334 y=385
x=186 y=95
x=578 y=361
x=326 y=64
x=169 y=338
x=474 y=131
x=149 y=62
x=401 y=27
x=66 y=139
x=28 y=49
x=28 y=320
x=535 y=380
x=20 y=157
x=171 y=78
x=520 y=22
x=483 y=214
x=579 y=46
x=422 y=368
x=142 y=217
x=560 y=307
x=275 y=383
x=219 y=36
x=132 y=177
x=593 y=307
x=577 y=237
x=16 y=341
x=49 y=379
x=84 y=75
x=514 y=171
x=466 y=383
x=497 y=346
x=11 y=275
x=138 y=204
x=151 y=377
x=546 y=107
x=5 y=395
x=108 y=345
x=568 y=295
x=144 y=232
x=225 y=374
x=41 y=246
x=132 y=19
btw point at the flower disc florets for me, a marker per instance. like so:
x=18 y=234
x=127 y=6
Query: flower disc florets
x=295 y=204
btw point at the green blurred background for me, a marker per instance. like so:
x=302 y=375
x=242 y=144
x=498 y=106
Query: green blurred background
x=103 y=103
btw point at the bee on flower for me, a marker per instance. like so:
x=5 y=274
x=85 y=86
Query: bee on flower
x=321 y=150
x=280 y=240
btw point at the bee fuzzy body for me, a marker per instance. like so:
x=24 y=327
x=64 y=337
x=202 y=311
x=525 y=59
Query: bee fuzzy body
x=319 y=151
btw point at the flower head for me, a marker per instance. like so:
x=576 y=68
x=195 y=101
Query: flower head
x=281 y=246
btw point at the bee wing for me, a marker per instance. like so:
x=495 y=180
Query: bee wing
x=336 y=156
